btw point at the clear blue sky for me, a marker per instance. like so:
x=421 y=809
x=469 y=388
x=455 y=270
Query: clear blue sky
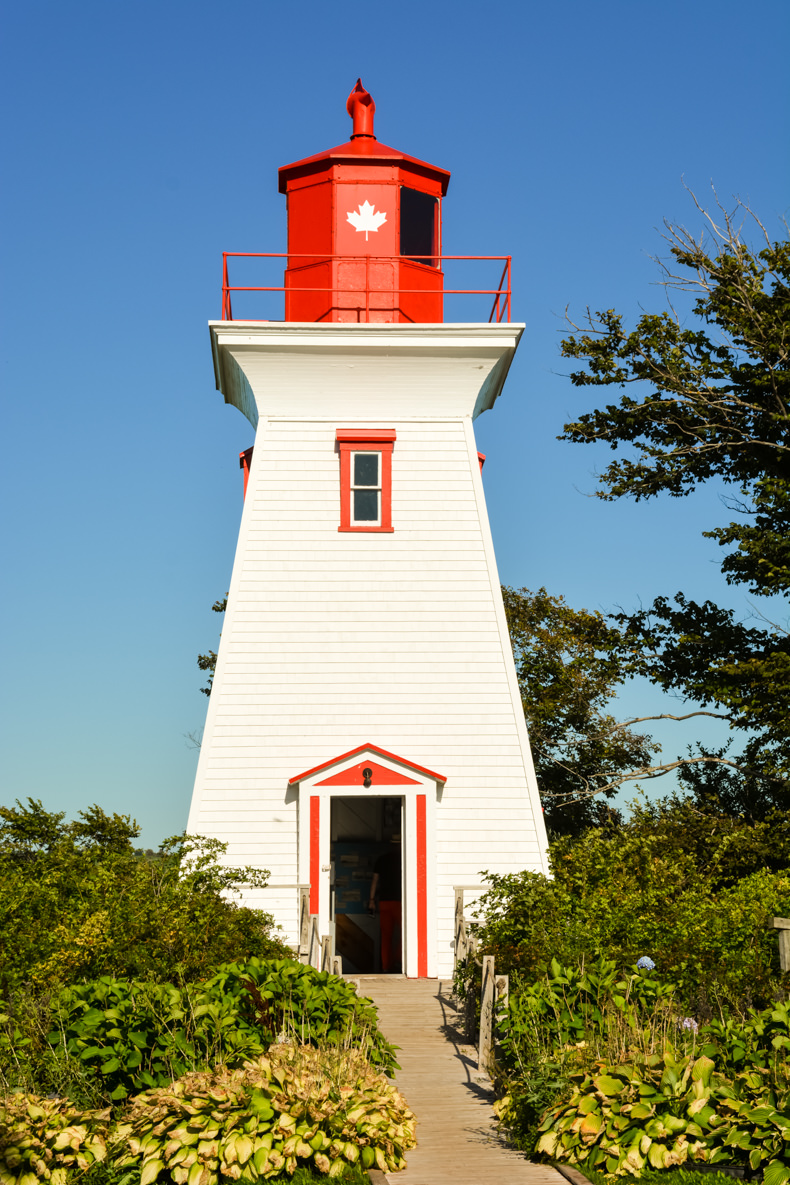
x=142 y=140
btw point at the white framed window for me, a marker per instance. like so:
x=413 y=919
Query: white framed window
x=366 y=489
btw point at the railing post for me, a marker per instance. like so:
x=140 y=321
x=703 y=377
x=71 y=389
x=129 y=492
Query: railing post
x=509 y=263
x=326 y=953
x=469 y=1002
x=458 y=927
x=314 y=947
x=337 y=965
x=783 y=926
x=486 y=1015
x=226 y=309
x=304 y=919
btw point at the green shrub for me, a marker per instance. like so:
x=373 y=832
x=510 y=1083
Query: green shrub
x=105 y=1040
x=46 y=1139
x=757 y=1041
x=566 y=1020
x=283 y=997
x=325 y=1111
x=659 y=1111
x=327 y=1108
x=693 y=888
x=589 y=1006
x=77 y=901
x=555 y=1030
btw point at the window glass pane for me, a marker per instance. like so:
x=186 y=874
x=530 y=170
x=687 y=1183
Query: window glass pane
x=417 y=224
x=366 y=506
x=366 y=469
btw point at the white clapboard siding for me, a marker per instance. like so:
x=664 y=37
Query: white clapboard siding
x=333 y=639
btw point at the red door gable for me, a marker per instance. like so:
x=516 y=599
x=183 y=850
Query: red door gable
x=388 y=777
x=379 y=776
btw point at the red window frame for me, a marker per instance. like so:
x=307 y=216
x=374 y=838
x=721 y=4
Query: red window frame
x=366 y=440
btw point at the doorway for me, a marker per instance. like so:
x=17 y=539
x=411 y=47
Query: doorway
x=366 y=840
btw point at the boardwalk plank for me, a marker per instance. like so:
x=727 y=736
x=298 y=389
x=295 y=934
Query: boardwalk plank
x=457 y=1141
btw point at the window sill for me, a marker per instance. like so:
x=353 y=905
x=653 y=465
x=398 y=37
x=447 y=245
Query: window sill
x=367 y=530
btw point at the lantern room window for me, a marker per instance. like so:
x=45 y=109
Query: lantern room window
x=418 y=216
x=365 y=478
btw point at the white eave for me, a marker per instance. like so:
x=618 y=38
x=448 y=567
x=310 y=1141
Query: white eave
x=263 y=366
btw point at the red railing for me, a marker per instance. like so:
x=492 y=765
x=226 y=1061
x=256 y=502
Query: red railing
x=500 y=309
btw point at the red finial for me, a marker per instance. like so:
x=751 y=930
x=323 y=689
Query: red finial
x=361 y=108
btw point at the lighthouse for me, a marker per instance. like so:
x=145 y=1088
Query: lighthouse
x=365 y=739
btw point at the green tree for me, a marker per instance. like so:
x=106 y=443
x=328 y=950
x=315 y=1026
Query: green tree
x=208 y=662
x=693 y=889
x=569 y=664
x=78 y=901
x=702 y=400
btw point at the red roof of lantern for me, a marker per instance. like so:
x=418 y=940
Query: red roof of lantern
x=363 y=146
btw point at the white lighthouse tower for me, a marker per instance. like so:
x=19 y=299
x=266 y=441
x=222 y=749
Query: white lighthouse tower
x=365 y=698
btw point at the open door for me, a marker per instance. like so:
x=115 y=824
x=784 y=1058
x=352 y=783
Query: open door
x=365 y=843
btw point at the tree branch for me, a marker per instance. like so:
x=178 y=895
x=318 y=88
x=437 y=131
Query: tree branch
x=646 y=772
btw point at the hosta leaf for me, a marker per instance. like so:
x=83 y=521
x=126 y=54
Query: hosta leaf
x=657 y=1155
x=777 y=1173
x=641 y=1111
x=151 y=1170
x=590 y=1127
x=608 y=1085
x=758 y=1114
x=703 y=1067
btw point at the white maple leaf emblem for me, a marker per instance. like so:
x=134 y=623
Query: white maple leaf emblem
x=367 y=219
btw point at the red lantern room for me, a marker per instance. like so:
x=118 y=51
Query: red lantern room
x=364 y=230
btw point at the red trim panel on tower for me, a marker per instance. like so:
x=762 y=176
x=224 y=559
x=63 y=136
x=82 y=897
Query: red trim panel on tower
x=366 y=748
x=379 y=775
x=379 y=440
x=315 y=851
x=245 y=460
x=422 y=890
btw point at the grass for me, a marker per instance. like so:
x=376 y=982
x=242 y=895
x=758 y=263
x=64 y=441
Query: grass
x=304 y=1176
x=677 y=1176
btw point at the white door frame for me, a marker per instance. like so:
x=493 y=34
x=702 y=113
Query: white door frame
x=392 y=777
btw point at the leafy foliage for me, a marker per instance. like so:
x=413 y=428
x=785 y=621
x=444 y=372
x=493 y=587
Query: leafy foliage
x=47 y=1139
x=111 y=1038
x=297 y=1105
x=662 y=1111
x=571 y=1016
x=712 y=401
x=285 y=997
x=569 y=664
x=620 y=1051
x=651 y=947
x=695 y=890
x=328 y=1110
x=77 y=902
x=208 y=662
x=718 y=396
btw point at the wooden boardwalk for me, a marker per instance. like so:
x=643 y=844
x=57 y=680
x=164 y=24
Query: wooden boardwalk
x=457 y=1142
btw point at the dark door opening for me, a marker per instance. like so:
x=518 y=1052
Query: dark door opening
x=365 y=842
